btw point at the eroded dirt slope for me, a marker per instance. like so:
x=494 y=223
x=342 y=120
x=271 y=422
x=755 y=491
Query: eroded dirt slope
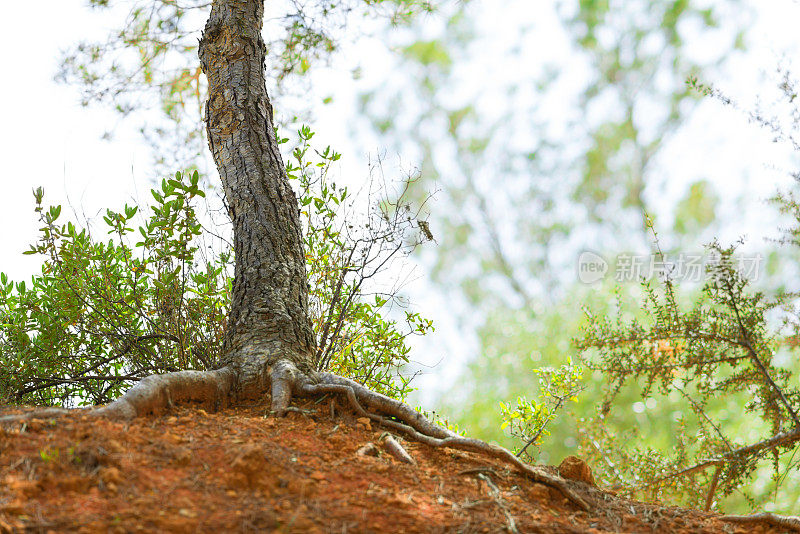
x=237 y=471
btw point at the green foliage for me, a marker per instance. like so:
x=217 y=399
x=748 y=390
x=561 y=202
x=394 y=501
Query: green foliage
x=697 y=210
x=152 y=299
x=717 y=355
x=633 y=59
x=429 y=53
x=103 y=314
x=345 y=254
x=529 y=182
x=711 y=375
x=528 y=421
x=49 y=455
x=515 y=342
x=630 y=45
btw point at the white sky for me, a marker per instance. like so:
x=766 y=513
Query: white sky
x=51 y=140
x=48 y=139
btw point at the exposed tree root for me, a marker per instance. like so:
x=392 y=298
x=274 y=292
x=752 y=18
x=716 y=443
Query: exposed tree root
x=217 y=389
x=153 y=395
x=790 y=522
x=413 y=424
x=156 y=393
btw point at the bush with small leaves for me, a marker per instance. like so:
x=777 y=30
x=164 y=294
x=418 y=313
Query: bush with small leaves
x=528 y=420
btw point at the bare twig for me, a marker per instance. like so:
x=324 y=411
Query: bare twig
x=396 y=449
x=712 y=488
x=497 y=497
x=754 y=357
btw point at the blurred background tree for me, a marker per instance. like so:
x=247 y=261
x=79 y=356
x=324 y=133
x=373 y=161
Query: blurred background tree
x=536 y=165
x=562 y=155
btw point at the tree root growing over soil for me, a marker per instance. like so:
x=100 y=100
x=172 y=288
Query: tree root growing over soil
x=218 y=389
x=157 y=393
x=781 y=521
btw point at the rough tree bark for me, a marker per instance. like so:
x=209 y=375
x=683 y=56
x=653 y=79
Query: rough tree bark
x=269 y=343
x=268 y=321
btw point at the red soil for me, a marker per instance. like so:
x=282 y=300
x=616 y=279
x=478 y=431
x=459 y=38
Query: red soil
x=237 y=471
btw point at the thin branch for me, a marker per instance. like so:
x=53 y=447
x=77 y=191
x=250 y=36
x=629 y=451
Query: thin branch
x=754 y=356
x=542 y=428
x=702 y=412
x=712 y=488
x=323 y=339
x=778 y=440
x=49 y=382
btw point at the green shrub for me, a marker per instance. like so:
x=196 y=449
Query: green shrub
x=153 y=298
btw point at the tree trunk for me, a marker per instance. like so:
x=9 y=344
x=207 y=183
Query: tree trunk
x=268 y=319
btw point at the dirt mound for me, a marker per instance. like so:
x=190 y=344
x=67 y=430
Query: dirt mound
x=237 y=471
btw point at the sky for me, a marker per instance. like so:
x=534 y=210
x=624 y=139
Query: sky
x=49 y=140
x=54 y=142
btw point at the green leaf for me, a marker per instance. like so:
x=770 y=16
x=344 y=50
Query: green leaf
x=429 y=53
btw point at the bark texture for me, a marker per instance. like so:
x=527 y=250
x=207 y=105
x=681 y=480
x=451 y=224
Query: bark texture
x=268 y=320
